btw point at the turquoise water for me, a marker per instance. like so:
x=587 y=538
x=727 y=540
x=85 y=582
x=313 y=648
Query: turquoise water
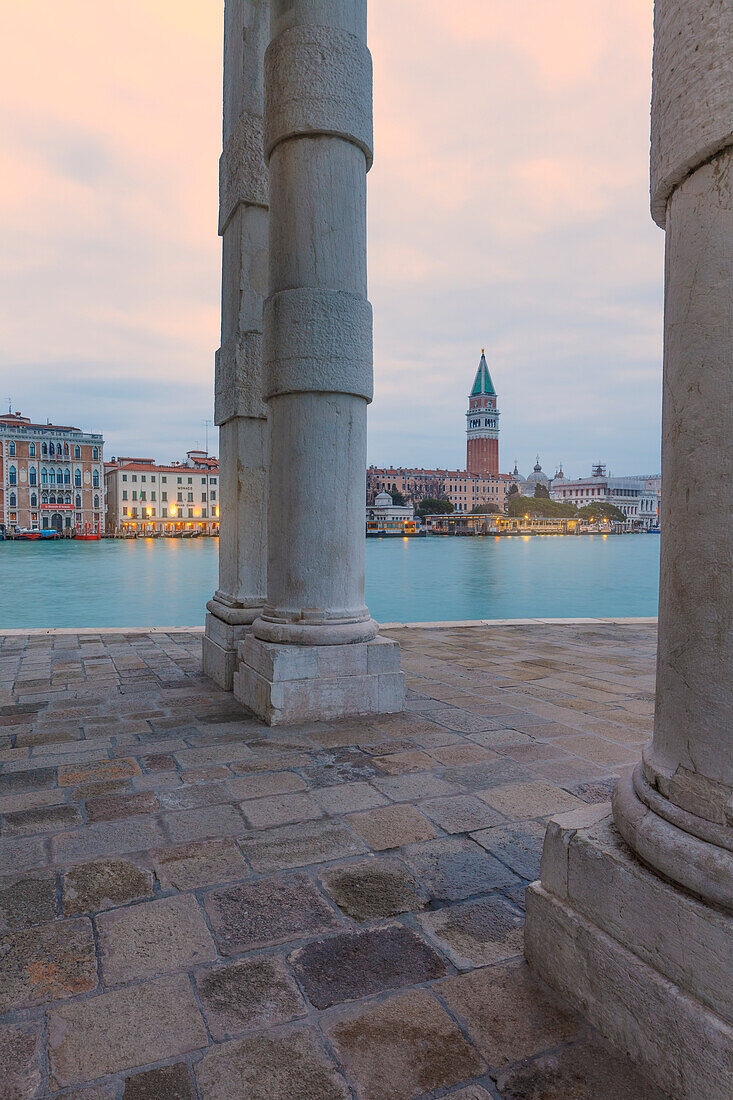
x=166 y=582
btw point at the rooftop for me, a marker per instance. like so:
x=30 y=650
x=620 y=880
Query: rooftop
x=323 y=912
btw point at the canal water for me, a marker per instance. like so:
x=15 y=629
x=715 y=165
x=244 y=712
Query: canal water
x=166 y=582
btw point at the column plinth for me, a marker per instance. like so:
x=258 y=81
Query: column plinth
x=632 y=918
x=314 y=650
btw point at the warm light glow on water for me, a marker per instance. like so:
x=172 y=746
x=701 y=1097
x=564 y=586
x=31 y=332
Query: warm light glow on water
x=166 y=582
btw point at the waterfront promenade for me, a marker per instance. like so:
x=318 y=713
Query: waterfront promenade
x=194 y=905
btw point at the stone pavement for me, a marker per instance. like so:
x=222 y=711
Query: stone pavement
x=194 y=905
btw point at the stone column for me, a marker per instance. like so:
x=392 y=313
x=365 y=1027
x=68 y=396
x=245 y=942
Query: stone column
x=639 y=937
x=240 y=410
x=314 y=651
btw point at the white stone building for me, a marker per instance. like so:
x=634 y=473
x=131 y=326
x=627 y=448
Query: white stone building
x=386 y=516
x=146 y=498
x=636 y=496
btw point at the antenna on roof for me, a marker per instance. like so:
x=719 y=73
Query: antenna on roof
x=10 y=405
x=207 y=424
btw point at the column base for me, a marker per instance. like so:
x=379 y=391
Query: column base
x=288 y=684
x=642 y=960
x=225 y=629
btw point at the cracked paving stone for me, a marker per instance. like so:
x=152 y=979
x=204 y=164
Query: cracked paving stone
x=476 y=933
x=153 y=937
x=253 y=993
x=268 y=912
x=206 y=863
x=165 y=1083
x=455 y=868
x=403 y=1047
x=20 y=1061
x=26 y=901
x=46 y=962
x=583 y=1071
x=357 y=964
x=299 y=845
x=373 y=888
x=268 y=1067
x=134 y=1026
x=339 y=766
x=506 y=1012
x=519 y=846
x=598 y=791
x=104 y=884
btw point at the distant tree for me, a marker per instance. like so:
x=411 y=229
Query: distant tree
x=538 y=506
x=432 y=507
x=600 y=510
x=541 y=491
x=513 y=488
x=486 y=509
x=397 y=497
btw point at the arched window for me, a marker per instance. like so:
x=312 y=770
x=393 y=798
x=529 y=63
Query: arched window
x=52 y=476
x=51 y=448
x=96 y=500
x=44 y=498
x=59 y=476
x=67 y=477
x=95 y=479
x=12 y=500
x=11 y=447
x=66 y=448
x=53 y=498
x=77 y=478
x=44 y=449
x=77 y=451
x=34 y=500
x=95 y=454
x=78 y=500
x=44 y=476
x=12 y=476
x=68 y=499
x=32 y=475
x=32 y=450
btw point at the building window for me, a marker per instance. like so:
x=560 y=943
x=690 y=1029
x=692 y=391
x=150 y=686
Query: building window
x=34 y=500
x=12 y=475
x=190 y=496
x=78 y=500
x=95 y=454
x=11 y=447
x=32 y=450
x=180 y=498
x=52 y=476
x=44 y=449
x=96 y=501
x=203 y=480
x=134 y=494
x=124 y=494
x=213 y=496
x=134 y=477
x=143 y=477
x=134 y=512
x=213 y=481
x=32 y=476
x=66 y=449
x=152 y=495
x=124 y=477
x=179 y=480
x=164 y=480
x=95 y=479
x=203 y=496
x=190 y=481
x=143 y=495
x=190 y=513
x=164 y=512
x=77 y=479
x=152 y=478
x=77 y=451
x=164 y=496
x=124 y=512
x=204 y=512
x=12 y=500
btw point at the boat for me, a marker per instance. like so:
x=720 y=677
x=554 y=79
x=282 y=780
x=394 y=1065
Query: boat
x=25 y=534
x=87 y=536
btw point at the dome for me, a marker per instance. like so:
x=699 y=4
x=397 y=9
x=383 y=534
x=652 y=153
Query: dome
x=538 y=476
x=383 y=500
x=515 y=474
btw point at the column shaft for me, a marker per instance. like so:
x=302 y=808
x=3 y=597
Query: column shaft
x=240 y=411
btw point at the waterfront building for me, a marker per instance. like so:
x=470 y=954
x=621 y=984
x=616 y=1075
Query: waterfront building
x=51 y=476
x=386 y=517
x=144 y=497
x=480 y=483
x=637 y=496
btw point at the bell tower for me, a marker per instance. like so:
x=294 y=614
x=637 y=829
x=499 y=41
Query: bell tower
x=482 y=425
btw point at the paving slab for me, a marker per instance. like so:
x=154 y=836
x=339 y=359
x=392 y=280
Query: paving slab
x=45 y=963
x=103 y=884
x=152 y=938
x=373 y=888
x=253 y=993
x=268 y=912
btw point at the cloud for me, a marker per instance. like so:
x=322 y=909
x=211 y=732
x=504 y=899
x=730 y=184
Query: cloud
x=507 y=209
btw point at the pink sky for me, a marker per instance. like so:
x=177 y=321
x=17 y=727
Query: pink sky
x=508 y=209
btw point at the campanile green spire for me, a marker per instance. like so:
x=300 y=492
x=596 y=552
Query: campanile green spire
x=483 y=383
